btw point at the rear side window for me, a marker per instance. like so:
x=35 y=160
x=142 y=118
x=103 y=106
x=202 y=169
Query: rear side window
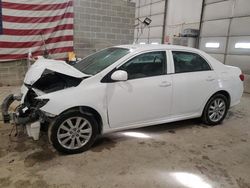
x=189 y=62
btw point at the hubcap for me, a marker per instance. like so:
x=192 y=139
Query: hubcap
x=217 y=110
x=74 y=132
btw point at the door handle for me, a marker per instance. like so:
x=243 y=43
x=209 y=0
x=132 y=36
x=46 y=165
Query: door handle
x=165 y=84
x=210 y=79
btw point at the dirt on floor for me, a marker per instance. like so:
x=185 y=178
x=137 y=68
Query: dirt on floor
x=175 y=155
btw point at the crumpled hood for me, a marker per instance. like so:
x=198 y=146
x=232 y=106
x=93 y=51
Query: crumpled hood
x=37 y=69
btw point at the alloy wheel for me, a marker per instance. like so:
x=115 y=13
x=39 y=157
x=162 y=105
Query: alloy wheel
x=74 y=132
x=217 y=110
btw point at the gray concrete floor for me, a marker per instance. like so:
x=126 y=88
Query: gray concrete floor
x=183 y=154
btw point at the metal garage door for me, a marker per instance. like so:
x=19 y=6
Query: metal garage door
x=225 y=33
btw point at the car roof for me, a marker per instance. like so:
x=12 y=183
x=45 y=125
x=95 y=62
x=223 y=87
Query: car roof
x=145 y=47
x=137 y=48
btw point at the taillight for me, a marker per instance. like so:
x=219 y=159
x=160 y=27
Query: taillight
x=242 y=77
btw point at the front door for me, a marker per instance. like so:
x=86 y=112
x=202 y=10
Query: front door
x=145 y=96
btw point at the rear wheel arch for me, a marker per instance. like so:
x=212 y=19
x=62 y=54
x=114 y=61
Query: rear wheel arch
x=223 y=92
x=219 y=94
x=226 y=94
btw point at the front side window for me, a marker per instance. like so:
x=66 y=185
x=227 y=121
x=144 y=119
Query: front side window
x=146 y=65
x=189 y=62
x=99 y=61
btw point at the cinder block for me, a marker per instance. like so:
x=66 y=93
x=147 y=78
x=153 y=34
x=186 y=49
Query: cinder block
x=85 y=3
x=116 y=8
x=102 y=23
x=106 y=18
x=100 y=35
x=111 y=36
x=95 y=5
x=116 y=19
x=106 y=30
x=106 y=6
x=116 y=30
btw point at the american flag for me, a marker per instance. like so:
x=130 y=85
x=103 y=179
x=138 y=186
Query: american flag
x=35 y=25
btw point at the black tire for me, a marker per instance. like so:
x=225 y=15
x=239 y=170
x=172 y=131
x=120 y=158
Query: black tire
x=206 y=118
x=60 y=122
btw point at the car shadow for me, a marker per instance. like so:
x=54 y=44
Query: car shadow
x=109 y=141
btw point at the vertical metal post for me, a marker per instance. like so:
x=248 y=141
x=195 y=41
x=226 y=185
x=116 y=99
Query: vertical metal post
x=164 y=22
x=228 y=31
x=201 y=18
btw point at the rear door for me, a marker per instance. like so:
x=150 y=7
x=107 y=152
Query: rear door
x=193 y=81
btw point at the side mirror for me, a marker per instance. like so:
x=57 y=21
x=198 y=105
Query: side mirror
x=119 y=75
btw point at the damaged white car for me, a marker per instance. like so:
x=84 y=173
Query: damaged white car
x=123 y=87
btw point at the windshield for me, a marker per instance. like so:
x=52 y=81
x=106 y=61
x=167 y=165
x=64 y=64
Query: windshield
x=100 y=60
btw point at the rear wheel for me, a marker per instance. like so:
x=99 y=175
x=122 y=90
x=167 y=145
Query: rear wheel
x=73 y=132
x=215 y=110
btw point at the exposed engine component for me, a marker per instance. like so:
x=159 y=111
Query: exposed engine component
x=51 y=81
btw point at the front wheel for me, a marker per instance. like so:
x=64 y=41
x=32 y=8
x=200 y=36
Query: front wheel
x=73 y=132
x=215 y=110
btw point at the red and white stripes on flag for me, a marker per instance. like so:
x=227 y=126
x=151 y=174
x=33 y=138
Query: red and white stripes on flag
x=25 y=23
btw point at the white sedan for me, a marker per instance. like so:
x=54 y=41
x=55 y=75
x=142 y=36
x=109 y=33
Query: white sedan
x=124 y=87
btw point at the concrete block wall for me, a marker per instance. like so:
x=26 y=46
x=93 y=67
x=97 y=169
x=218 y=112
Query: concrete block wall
x=102 y=23
x=12 y=73
x=97 y=24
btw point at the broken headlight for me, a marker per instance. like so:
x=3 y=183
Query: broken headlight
x=41 y=102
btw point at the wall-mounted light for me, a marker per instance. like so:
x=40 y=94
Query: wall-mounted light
x=142 y=43
x=212 y=45
x=147 y=21
x=242 y=45
x=154 y=43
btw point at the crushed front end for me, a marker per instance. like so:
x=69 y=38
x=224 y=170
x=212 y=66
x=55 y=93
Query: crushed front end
x=27 y=113
x=43 y=77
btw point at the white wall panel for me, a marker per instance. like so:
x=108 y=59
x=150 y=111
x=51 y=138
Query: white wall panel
x=157 y=8
x=183 y=12
x=240 y=26
x=154 y=1
x=247 y=83
x=241 y=61
x=142 y=40
x=219 y=57
x=215 y=28
x=144 y=11
x=144 y=34
x=231 y=45
x=242 y=8
x=157 y=20
x=220 y=50
x=218 y=10
x=144 y=2
x=155 y=40
x=155 y=32
x=212 y=1
x=154 y=9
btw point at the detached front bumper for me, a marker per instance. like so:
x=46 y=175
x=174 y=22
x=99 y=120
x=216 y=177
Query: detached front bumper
x=31 y=118
x=22 y=115
x=7 y=117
